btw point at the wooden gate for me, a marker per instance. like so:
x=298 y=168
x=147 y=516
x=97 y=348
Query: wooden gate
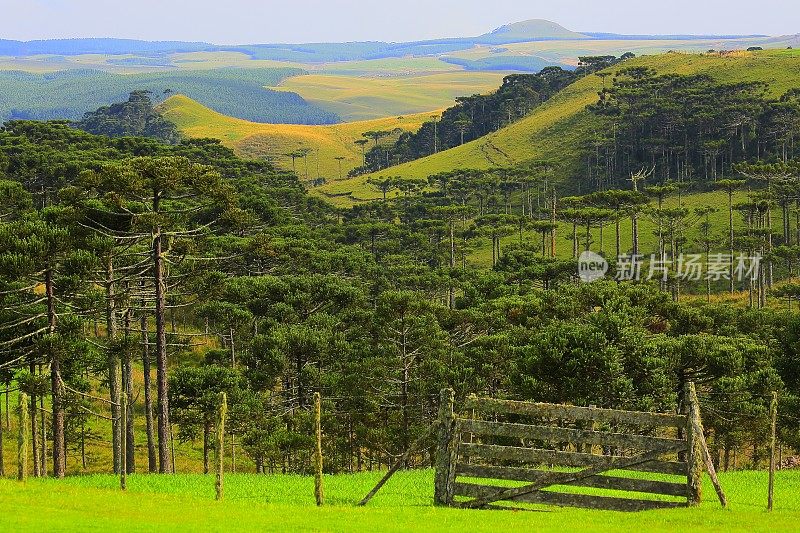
x=552 y=448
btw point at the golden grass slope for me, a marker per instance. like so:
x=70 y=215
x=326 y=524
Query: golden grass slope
x=274 y=141
x=555 y=130
x=364 y=98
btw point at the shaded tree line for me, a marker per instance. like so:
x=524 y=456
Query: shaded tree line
x=687 y=128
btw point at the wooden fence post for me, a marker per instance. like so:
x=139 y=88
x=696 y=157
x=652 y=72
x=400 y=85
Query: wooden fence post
x=319 y=491
x=123 y=457
x=2 y=458
x=592 y=427
x=172 y=450
x=233 y=453
x=220 y=455
x=694 y=456
x=22 y=438
x=443 y=489
x=773 y=411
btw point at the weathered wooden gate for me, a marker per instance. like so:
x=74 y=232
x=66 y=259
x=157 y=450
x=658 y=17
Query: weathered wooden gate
x=549 y=446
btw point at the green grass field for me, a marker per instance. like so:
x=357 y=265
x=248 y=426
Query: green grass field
x=286 y=503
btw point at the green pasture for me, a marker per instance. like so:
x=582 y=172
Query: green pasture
x=286 y=503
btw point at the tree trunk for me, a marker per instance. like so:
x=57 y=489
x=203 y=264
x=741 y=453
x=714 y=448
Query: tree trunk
x=111 y=367
x=130 y=452
x=730 y=235
x=553 y=221
x=206 y=433
x=574 y=240
x=37 y=471
x=452 y=290
x=165 y=464
x=233 y=349
x=83 y=444
x=59 y=444
x=404 y=404
x=42 y=432
x=588 y=235
x=152 y=465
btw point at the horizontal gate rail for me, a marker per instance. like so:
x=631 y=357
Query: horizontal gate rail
x=509 y=473
x=568 y=500
x=571 y=412
x=559 y=434
x=555 y=457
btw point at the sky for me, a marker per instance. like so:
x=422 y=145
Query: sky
x=296 y=21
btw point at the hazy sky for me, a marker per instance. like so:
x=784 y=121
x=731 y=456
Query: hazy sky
x=263 y=21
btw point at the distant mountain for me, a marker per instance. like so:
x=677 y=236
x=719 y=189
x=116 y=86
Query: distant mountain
x=99 y=46
x=525 y=31
x=530 y=30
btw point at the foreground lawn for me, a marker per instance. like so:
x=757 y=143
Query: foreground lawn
x=285 y=503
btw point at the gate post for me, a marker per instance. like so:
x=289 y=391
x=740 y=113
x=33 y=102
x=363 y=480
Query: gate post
x=694 y=456
x=443 y=483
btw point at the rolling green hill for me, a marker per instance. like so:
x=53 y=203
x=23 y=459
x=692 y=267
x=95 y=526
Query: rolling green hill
x=555 y=130
x=274 y=141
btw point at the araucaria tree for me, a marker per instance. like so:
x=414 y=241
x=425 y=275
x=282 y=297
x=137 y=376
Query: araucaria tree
x=170 y=201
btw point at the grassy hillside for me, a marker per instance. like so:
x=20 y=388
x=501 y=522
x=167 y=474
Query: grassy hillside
x=555 y=130
x=364 y=98
x=285 y=503
x=276 y=140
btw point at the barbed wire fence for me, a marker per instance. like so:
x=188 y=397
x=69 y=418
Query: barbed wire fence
x=364 y=436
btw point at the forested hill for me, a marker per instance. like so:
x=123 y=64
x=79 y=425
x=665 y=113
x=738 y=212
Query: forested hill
x=237 y=92
x=475 y=116
x=564 y=130
x=134 y=118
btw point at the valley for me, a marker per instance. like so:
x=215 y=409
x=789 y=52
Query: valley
x=364 y=274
